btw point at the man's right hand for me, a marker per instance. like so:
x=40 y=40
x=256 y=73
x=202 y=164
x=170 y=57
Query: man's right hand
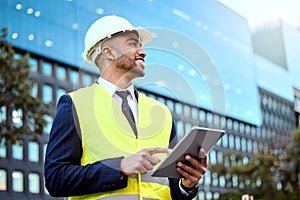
x=142 y=161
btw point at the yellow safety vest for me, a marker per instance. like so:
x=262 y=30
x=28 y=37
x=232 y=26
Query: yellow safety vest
x=106 y=133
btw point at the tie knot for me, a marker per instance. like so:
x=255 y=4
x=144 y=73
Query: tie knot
x=123 y=94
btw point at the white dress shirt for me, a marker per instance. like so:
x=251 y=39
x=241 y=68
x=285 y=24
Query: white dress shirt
x=112 y=88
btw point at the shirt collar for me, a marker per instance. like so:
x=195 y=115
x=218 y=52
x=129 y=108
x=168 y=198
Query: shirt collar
x=112 y=88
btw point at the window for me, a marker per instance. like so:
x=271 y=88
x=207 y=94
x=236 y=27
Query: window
x=18 y=181
x=215 y=179
x=73 y=76
x=216 y=120
x=231 y=141
x=188 y=127
x=17 y=116
x=225 y=141
x=179 y=128
x=207 y=177
x=222 y=181
x=209 y=118
x=33 y=64
x=44 y=151
x=178 y=108
x=212 y=157
x=34 y=90
x=61 y=73
x=3 y=178
x=237 y=143
x=235 y=180
x=47 y=127
x=186 y=111
x=202 y=116
x=34 y=183
x=33 y=151
x=17 y=150
x=2 y=114
x=220 y=157
x=170 y=105
x=3 y=148
x=208 y=195
x=59 y=93
x=194 y=113
x=244 y=145
x=47 y=95
x=86 y=79
x=47 y=69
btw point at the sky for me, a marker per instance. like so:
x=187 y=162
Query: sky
x=259 y=12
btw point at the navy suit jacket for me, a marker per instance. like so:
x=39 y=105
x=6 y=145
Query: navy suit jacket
x=64 y=176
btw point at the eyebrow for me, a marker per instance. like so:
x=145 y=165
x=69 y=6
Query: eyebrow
x=134 y=39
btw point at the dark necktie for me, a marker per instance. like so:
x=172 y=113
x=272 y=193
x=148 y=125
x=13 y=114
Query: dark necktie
x=126 y=109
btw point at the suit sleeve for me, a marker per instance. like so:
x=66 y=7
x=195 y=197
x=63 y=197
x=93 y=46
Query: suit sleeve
x=64 y=176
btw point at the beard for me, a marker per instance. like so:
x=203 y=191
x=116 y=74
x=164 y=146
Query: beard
x=127 y=63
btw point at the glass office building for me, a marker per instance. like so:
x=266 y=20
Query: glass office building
x=204 y=63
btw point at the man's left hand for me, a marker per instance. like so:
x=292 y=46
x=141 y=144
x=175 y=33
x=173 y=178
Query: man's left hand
x=194 y=170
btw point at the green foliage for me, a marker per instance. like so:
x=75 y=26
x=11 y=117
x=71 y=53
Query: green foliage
x=20 y=113
x=273 y=175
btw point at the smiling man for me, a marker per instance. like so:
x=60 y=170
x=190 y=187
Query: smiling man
x=106 y=138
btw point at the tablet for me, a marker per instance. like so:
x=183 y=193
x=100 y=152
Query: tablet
x=190 y=144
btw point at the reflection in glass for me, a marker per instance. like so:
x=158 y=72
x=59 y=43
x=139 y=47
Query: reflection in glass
x=33 y=64
x=73 y=76
x=17 y=150
x=61 y=73
x=47 y=69
x=47 y=95
x=34 y=90
x=34 y=182
x=44 y=151
x=2 y=148
x=237 y=143
x=3 y=178
x=86 y=79
x=33 y=151
x=17 y=116
x=17 y=181
x=2 y=114
x=59 y=93
x=47 y=127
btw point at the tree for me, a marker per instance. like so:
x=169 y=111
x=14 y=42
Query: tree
x=273 y=175
x=291 y=172
x=20 y=113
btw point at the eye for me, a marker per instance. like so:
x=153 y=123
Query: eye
x=133 y=44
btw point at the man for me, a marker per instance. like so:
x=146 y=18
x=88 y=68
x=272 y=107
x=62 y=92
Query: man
x=106 y=138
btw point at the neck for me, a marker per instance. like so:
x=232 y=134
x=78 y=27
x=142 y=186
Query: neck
x=120 y=80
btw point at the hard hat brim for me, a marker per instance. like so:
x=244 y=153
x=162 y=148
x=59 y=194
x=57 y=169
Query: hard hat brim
x=144 y=35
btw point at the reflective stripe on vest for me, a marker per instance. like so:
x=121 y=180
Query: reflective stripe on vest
x=99 y=116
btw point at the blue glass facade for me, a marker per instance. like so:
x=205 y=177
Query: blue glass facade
x=202 y=51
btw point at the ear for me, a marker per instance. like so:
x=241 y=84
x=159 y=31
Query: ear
x=108 y=53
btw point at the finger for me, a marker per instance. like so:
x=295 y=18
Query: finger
x=153 y=160
x=147 y=165
x=159 y=150
x=202 y=153
x=189 y=176
x=193 y=171
x=197 y=163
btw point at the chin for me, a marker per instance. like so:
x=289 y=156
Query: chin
x=138 y=71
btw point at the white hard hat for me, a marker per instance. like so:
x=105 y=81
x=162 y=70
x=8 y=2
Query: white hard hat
x=104 y=28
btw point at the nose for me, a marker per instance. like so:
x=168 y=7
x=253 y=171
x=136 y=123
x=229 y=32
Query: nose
x=141 y=52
